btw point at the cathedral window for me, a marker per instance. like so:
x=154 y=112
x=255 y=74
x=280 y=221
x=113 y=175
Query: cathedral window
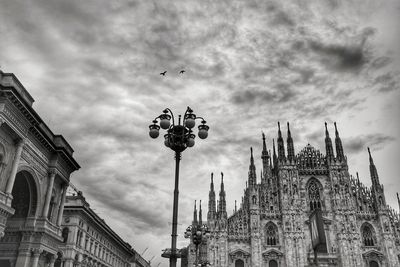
x=368 y=236
x=314 y=195
x=272 y=263
x=271 y=234
x=373 y=264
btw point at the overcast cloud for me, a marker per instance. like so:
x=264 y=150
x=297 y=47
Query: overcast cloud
x=93 y=68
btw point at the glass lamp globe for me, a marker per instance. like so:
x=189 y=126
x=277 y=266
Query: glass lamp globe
x=190 y=120
x=203 y=131
x=190 y=141
x=164 y=121
x=154 y=131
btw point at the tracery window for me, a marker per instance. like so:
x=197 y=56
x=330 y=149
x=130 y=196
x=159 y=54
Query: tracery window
x=368 y=236
x=314 y=195
x=271 y=234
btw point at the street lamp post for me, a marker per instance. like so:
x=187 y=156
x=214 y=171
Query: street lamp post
x=179 y=137
x=198 y=233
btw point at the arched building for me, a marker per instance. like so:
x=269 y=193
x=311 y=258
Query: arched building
x=305 y=210
x=35 y=167
x=40 y=226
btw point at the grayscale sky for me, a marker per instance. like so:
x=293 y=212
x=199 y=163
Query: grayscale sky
x=93 y=68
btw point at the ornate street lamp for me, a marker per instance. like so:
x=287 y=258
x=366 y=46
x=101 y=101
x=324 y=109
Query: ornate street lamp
x=179 y=137
x=199 y=234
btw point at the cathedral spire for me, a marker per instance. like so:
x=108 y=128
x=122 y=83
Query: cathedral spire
x=222 y=201
x=328 y=144
x=211 y=201
x=236 y=206
x=270 y=159
x=373 y=172
x=290 y=146
x=338 y=144
x=200 y=215
x=264 y=155
x=195 y=214
x=281 y=146
x=252 y=170
x=275 y=158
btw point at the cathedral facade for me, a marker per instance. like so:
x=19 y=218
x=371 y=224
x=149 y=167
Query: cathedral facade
x=276 y=223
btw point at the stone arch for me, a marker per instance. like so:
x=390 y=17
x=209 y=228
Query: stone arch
x=273 y=263
x=239 y=263
x=25 y=195
x=314 y=193
x=368 y=235
x=37 y=182
x=271 y=234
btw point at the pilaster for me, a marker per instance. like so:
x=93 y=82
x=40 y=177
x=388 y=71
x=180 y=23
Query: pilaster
x=14 y=169
x=61 y=207
x=52 y=175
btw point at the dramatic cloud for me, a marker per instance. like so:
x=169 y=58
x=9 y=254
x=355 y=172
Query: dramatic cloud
x=375 y=141
x=93 y=68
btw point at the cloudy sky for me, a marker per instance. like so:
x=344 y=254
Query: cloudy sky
x=93 y=68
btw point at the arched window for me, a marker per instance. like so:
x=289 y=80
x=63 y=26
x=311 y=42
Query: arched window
x=239 y=263
x=271 y=234
x=314 y=195
x=373 y=264
x=272 y=263
x=65 y=233
x=24 y=195
x=368 y=235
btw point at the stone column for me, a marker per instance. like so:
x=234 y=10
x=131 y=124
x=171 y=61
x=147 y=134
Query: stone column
x=82 y=241
x=11 y=180
x=69 y=263
x=35 y=258
x=61 y=208
x=52 y=175
x=52 y=261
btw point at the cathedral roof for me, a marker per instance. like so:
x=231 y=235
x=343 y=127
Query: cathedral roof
x=311 y=161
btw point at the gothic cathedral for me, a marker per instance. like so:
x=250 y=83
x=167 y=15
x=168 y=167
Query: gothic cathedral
x=275 y=226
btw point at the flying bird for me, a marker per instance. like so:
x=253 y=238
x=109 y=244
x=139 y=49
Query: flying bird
x=182 y=71
x=163 y=73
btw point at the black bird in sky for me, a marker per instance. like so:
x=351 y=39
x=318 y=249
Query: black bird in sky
x=163 y=73
x=182 y=71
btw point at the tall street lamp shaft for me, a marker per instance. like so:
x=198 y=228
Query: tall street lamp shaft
x=172 y=259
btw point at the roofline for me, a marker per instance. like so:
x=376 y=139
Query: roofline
x=57 y=142
x=102 y=224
